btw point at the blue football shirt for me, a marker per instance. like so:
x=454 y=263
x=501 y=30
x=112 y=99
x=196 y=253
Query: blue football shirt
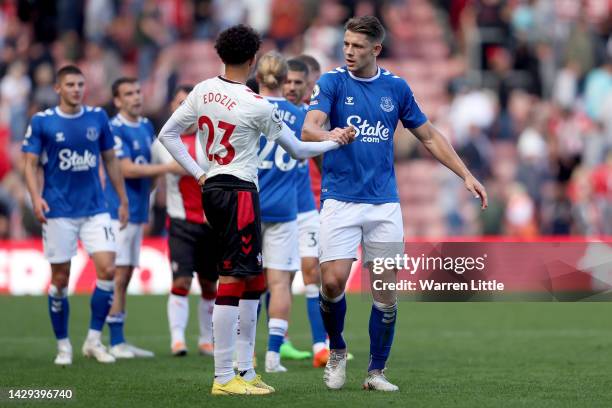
x=277 y=170
x=363 y=171
x=69 y=148
x=133 y=141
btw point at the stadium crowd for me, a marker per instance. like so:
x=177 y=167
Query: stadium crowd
x=522 y=88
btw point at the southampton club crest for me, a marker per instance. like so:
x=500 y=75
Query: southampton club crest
x=277 y=117
x=386 y=104
x=92 y=134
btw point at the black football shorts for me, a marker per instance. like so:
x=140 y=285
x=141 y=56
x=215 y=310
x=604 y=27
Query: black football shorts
x=193 y=248
x=232 y=209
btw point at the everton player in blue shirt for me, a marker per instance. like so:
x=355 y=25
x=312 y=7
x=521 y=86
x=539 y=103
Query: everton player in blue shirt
x=277 y=181
x=133 y=136
x=67 y=141
x=359 y=192
x=294 y=89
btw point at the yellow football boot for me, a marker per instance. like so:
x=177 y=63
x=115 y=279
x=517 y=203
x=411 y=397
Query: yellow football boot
x=258 y=382
x=237 y=386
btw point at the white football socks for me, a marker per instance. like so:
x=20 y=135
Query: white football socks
x=245 y=343
x=225 y=320
x=178 y=315
x=64 y=344
x=94 y=336
x=205 y=311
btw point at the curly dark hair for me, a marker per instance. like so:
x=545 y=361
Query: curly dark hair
x=237 y=44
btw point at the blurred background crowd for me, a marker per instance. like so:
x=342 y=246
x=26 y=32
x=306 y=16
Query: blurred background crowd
x=522 y=89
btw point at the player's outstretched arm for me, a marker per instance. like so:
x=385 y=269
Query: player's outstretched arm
x=442 y=150
x=170 y=137
x=114 y=174
x=176 y=168
x=39 y=203
x=303 y=150
x=312 y=130
x=129 y=169
x=159 y=155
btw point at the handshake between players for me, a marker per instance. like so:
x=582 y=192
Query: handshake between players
x=342 y=136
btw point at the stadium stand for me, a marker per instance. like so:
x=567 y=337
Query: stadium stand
x=523 y=89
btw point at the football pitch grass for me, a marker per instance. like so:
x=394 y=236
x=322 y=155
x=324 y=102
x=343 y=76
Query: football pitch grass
x=445 y=355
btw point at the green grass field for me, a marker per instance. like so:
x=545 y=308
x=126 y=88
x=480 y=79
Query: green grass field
x=445 y=355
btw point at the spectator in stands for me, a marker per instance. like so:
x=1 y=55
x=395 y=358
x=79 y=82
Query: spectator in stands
x=99 y=14
x=598 y=87
x=286 y=22
x=579 y=46
x=101 y=66
x=203 y=19
x=14 y=93
x=44 y=96
x=537 y=112
x=151 y=36
x=565 y=89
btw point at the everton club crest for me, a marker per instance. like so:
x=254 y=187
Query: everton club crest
x=92 y=134
x=386 y=104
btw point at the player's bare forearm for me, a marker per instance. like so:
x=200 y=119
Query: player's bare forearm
x=29 y=173
x=177 y=169
x=31 y=176
x=114 y=173
x=312 y=130
x=129 y=169
x=441 y=149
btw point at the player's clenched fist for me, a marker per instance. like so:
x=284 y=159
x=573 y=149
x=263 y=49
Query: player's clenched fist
x=350 y=133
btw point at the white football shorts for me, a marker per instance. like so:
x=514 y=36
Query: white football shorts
x=309 y=226
x=61 y=235
x=280 y=245
x=377 y=227
x=129 y=241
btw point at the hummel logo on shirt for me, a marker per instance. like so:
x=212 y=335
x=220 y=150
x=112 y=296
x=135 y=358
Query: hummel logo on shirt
x=349 y=101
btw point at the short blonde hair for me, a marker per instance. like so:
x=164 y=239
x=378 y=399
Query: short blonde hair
x=271 y=70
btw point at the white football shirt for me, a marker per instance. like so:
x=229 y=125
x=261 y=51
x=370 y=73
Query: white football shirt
x=230 y=119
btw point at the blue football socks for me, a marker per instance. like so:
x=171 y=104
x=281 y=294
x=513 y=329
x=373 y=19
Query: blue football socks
x=333 y=312
x=115 y=325
x=101 y=302
x=59 y=310
x=314 y=314
x=382 y=329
